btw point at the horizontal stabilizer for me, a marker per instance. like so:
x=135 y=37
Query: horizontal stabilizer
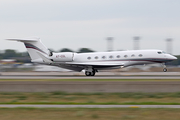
x=35 y=39
x=45 y=59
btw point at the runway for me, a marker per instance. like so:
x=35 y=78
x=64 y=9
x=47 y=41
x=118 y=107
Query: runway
x=104 y=82
x=87 y=77
x=77 y=75
x=89 y=106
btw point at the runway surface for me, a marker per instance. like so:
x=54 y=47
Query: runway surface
x=90 y=106
x=84 y=77
x=69 y=82
x=101 y=75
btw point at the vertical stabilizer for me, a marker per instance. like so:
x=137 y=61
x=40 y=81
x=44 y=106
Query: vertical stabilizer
x=34 y=46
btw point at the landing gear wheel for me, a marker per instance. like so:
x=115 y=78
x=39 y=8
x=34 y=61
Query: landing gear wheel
x=88 y=73
x=165 y=70
x=93 y=73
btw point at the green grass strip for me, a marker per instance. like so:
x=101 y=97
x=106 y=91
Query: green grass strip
x=95 y=103
x=87 y=80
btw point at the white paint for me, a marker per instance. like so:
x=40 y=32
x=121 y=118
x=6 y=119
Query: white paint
x=92 y=62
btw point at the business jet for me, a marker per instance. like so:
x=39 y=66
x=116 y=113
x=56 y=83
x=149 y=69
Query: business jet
x=90 y=63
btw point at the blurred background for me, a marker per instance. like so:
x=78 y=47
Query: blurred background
x=13 y=61
x=87 y=26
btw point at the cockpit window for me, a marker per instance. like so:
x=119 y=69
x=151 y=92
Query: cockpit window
x=163 y=52
x=159 y=52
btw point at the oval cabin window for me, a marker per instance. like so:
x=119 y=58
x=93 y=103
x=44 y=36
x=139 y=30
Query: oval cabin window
x=89 y=58
x=118 y=56
x=140 y=55
x=96 y=57
x=103 y=57
x=125 y=56
x=111 y=56
x=132 y=55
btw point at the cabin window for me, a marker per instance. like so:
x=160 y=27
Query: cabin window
x=89 y=58
x=96 y=57
x=140 y=55
x=118 y=56
x=103 y=57
x=111 y=56
x=125 y=56
x=132 y=55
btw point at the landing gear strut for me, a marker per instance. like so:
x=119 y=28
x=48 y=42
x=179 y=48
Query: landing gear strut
x=164 y=69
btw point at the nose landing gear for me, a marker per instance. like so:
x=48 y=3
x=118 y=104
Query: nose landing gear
x=164 y=69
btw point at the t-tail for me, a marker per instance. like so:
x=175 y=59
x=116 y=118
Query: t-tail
x=34 y=47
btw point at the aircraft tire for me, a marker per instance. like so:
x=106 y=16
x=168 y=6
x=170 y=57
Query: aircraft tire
x=165 y=70
x=93 y=73
x=88 y=73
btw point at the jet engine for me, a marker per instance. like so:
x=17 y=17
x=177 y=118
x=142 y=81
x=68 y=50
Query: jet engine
x=62 y=57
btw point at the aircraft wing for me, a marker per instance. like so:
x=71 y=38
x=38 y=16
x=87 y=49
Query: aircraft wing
x=101 y=63
x=77 y=66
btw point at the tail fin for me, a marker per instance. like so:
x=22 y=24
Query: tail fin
x=34 y=46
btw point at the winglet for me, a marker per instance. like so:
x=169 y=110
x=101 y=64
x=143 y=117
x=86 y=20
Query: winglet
x=45 y=59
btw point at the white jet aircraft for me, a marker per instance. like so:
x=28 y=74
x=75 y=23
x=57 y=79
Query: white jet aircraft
x=92 y=62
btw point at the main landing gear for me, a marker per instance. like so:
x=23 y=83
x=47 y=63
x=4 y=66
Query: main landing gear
x=90 y=73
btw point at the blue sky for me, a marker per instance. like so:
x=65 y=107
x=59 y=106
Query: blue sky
x=86 y=23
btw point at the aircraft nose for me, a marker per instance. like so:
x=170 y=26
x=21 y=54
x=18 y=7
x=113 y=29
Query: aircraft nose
x=173 y=57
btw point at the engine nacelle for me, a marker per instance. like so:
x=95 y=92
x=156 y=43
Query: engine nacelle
x=62 y=57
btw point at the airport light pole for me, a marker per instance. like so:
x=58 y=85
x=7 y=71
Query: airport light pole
x=110 y=43
x=169 y=45
x=136 y=42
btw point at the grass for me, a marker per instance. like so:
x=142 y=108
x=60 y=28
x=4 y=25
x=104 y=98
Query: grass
x=91 y=98
x=89 y=114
